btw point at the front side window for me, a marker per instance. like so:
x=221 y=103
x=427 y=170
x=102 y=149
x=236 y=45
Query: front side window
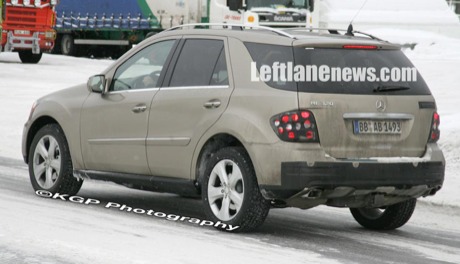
x=201 y=63
x=143 y=70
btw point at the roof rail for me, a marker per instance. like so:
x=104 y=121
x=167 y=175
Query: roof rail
x=231 y=26
x=335 y=31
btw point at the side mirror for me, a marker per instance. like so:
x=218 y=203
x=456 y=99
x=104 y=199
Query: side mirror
x=235 y=5
x=96 y=84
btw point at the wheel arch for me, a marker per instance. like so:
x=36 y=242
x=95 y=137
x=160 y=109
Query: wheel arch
x=211 y=145
x=34 y=128
x=47 y=119
x=64 y=181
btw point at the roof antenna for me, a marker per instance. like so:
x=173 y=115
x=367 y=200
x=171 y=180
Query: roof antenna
x=350 y=27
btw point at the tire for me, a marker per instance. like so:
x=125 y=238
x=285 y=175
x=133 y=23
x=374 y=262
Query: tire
x=50 y=168
x=68 y=46
x=57 y=45
x=27 y=56
x=392 y=217
x=236 y=202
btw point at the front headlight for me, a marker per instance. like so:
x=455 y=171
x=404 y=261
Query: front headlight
x=50 y=34
x=38 y=2
x=14 y=2
x=26 y=2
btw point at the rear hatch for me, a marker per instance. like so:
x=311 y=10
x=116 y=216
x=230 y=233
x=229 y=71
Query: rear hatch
x=365 y=117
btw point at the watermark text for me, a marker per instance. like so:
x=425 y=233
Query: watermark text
x=140 y=211
x=288 y=72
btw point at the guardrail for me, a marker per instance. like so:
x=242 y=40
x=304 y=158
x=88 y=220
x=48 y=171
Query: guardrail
x=96 y=21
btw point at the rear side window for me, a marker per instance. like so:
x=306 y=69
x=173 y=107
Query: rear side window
x=363 y=59
x=220 y=74
x=200 y=63
x=266 y=54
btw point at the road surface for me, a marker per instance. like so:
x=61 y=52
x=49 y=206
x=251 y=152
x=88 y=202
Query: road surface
x=44 y=230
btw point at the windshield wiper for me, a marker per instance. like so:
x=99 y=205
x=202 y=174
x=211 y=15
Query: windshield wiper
x=390 y=88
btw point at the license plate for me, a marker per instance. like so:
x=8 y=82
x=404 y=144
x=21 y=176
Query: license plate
x=22 y=32
x=376 y=127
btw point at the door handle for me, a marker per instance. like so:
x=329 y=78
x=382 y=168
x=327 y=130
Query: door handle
x=212 y=104
x=139 y=108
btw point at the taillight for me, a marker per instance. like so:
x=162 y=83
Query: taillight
x=295 y=126
x=435 y=132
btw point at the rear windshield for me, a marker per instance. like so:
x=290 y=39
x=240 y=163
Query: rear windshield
x=357 y=60
x=362 y=60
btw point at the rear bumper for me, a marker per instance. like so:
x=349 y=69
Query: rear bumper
x=298 y=176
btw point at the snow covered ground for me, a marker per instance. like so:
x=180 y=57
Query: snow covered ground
x=428 y=15
x=39 y=230
x=437 y=58
x=21 y=84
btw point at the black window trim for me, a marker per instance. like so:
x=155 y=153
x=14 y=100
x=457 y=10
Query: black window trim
x=217 y=62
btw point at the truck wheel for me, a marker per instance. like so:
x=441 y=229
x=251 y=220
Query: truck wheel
x=57 y=47
x=50 y=165
x=68 y=46
x=27 y=56
x=392 y=217
x=231 y=193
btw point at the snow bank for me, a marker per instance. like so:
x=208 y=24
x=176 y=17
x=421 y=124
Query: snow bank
x=21 y=84
x=427 y=15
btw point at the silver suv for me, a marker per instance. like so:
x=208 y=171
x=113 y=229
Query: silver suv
x=181 y=113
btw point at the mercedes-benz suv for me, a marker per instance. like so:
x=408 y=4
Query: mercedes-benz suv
x=195 y=111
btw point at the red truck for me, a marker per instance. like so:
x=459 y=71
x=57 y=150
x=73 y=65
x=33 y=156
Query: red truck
x=28 y=27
